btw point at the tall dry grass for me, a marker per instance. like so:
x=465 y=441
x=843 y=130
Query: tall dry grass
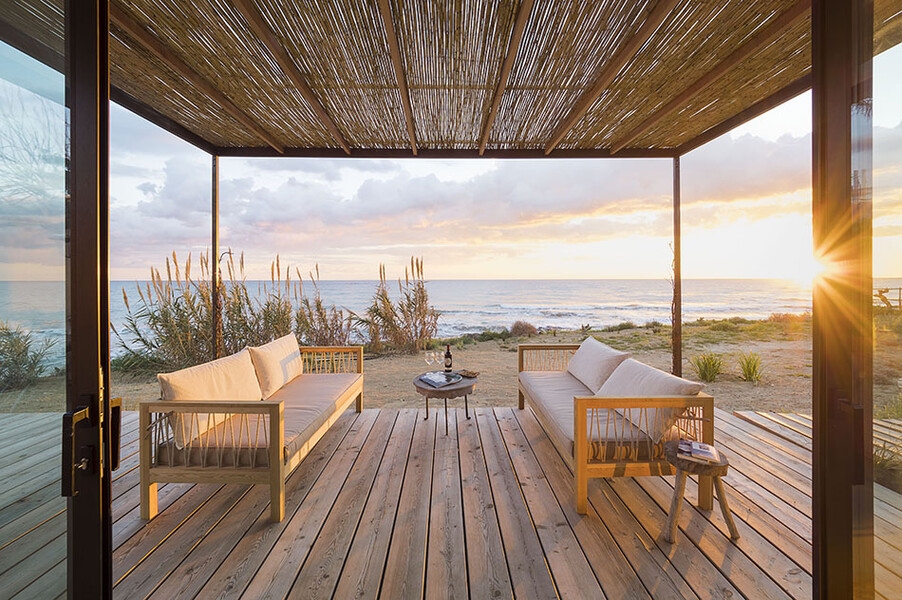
x=404 y=325
x=169 y=320
x=317 y=324
x=171 y=324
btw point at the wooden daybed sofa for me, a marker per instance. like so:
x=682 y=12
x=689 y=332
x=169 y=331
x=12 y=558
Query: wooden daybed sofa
x=608 y=414
x=246 y=418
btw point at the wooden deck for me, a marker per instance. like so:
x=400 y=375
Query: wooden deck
x=388 y=506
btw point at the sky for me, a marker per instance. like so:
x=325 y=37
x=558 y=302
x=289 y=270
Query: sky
x=746 y=206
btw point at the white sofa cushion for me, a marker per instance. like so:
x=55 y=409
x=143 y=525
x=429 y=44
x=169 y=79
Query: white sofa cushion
x=229 y=378
x=635 y=379
x=276 y=363
x=594 y=362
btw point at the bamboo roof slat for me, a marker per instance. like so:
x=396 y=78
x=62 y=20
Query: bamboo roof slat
x=523 y=12
x=138 y=33
x=450 y=78
x=395 y=50
x=796 y=13
x=611 y=69
x=255 y=21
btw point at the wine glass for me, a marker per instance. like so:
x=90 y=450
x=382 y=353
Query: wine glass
x=429 y=355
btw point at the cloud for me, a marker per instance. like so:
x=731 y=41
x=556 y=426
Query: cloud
x=307 y=210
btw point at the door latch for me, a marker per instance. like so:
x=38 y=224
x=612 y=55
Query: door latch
x=85 y=462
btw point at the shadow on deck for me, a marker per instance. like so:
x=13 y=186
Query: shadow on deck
x=388 y=506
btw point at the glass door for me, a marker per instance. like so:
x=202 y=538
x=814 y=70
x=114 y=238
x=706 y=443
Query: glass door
x=55 y=424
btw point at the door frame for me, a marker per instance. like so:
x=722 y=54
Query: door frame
x=842 y=34
x=89 y=531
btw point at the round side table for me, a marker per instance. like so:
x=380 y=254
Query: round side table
x=683 y=468
x=464 y=388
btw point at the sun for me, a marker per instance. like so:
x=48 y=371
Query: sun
x=808 y=270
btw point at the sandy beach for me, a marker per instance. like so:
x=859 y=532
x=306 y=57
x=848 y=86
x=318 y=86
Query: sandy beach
x=785 y=348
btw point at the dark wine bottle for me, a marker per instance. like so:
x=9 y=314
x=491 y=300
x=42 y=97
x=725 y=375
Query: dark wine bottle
x=448 y=359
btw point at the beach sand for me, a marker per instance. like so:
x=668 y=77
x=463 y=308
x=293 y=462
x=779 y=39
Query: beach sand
x=784 y=347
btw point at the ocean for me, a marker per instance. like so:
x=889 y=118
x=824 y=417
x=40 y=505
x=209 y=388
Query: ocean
x=476 y=305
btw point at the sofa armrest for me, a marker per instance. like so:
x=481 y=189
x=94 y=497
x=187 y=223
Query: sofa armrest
x=332 y=359
x=544 y=357
x=254 y=423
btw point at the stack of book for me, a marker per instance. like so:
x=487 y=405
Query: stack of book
x=698 y=452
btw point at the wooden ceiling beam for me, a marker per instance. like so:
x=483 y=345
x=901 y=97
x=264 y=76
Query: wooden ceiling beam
x=611 y=70
x=445 y=153
x=289 y=68
x=765 y=36
x=395 y=52
x=153 y=45
x=799 y=86
x=523 y=12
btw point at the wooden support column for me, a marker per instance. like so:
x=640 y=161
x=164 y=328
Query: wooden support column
x=215 y=272
x=842 y=328
x=676 y=308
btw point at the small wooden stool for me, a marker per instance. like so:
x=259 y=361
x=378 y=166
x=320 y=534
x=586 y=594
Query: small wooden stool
x=683 y=468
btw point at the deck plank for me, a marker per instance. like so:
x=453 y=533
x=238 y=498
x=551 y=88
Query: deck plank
x=698 y=571
x=656 y=573
x=240 y=565
x=378 y=491
x=406 y=562
x=749 y=562
x=320 y=572
x=446 y=573
x=572 y=573
x=362 y=574
x=530 y=576
x=276 y=575
x=486 y=564
x=612 y=568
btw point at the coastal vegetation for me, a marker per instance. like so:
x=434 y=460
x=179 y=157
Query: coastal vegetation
x=169 y=320
x=707 y=366
x=21 y=357
x=404 y=325
x=523 y=329
x=751 y=368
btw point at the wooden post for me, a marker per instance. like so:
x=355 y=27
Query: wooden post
x=276 y=463
x=215 y=273
x=842 y=321
x=581 y=457
x=676 y=308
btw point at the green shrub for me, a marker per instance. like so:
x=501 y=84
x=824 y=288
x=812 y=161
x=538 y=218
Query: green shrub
x=707 y=366
x=21 y=357
x=727 y=326
x=405 y=325
x=653 y=325
x=489 y=335
x=750 y=367
x=897 y=325
x=890 y=410
x=522 y=328
x=619 y=327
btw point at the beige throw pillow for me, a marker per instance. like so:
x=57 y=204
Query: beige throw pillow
x=594 y=362
x=276 y=363
x=229 y=378
x=636 y=379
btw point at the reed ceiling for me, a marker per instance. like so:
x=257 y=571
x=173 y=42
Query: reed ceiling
x=638 y=77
